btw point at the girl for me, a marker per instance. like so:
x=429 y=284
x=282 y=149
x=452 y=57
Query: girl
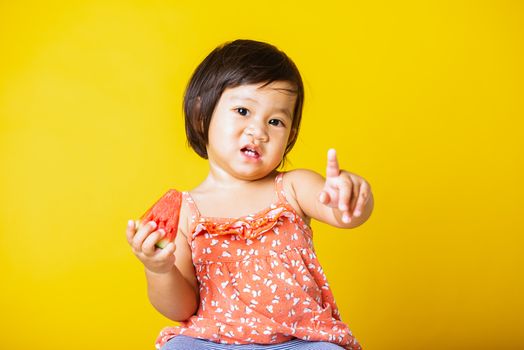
x=242 y=271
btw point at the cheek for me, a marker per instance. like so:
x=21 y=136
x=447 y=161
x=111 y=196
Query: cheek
x=283 y=139
x=223 y=137
x=219 y=128
x=287 y=136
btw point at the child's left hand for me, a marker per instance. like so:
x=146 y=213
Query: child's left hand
x=344 y=190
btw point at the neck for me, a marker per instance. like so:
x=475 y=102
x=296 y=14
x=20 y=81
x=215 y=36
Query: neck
x=218 y=178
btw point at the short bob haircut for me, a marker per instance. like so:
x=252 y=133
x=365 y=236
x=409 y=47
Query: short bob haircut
x=232 y=64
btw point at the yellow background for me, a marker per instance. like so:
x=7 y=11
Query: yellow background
x=422 y=98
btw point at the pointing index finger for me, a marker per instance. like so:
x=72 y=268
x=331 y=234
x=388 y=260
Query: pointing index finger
x=332 y=169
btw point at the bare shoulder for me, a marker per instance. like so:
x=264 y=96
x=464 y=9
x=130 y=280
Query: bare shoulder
x=306 y=186
x=302 y=181
x=294 y=182
x=299 y=177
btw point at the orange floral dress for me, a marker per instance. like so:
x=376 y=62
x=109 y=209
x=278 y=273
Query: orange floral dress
x=260 y=281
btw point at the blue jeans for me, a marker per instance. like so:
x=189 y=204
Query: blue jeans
x=182 y=342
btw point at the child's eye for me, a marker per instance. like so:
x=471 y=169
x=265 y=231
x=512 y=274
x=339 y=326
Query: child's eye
x=276 y=122
x=242 y=111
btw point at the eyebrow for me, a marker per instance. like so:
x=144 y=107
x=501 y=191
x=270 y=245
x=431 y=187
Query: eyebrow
x=242 y=98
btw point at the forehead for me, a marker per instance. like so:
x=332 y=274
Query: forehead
x=280 y=92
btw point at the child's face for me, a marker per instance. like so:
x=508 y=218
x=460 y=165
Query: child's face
x=250 y=128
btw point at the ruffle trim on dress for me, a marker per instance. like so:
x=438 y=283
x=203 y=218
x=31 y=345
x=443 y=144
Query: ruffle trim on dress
x=245 y=227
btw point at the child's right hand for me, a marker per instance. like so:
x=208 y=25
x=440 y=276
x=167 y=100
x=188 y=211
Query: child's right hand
x=143 y=241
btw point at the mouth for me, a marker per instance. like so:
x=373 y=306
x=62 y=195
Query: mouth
x=251 y=151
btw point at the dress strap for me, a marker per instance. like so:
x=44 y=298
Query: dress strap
x=279 y=187
x=194 y=212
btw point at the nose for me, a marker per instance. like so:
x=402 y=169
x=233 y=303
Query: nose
x=257 y=131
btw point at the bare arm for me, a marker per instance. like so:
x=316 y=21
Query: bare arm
x=175 y=293
x=171 y=282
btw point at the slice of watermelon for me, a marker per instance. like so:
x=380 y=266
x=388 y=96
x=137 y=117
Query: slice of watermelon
x=165 y=212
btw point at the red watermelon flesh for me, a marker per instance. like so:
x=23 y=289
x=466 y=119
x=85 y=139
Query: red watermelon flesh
x=165 y=212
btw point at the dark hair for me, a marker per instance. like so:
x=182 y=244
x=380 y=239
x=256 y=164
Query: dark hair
x=230 y=65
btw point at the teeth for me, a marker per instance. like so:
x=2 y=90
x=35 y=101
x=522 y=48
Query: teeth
x=250 y=152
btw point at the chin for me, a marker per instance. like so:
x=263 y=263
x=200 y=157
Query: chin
x=253 y=175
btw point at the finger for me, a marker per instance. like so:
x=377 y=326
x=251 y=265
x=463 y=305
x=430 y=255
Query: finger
x=323 y=197
x=344 y=195
x=355 y=195
x=346 y=217
x=140 y=236
x=130 y=231
x=362 y=199
x=168 y=250
x=149 y=248
x=332 y=169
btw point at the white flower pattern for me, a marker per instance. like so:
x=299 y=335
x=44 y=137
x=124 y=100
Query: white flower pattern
x=286 y=293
